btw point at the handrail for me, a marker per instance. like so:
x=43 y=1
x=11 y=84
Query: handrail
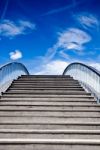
x=87 y=76
x=9 y=72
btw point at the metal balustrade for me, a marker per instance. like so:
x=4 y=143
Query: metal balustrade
x=87 y=76
x=9 y=72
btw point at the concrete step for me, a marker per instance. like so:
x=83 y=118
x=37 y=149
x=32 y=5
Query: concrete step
x=8 y=95
x=49 y=107
x=51 y=104
x=65 y=92
x=50 y=110
x=46 y=79
x=32 y=102
x=29 y=103
x=49 y=134
x=46 y=99
x=45 y=76
x=47 y=119
x=45 y=88
x=63 y=114
x=50 y=144
x=46 y=84
x=52 y=125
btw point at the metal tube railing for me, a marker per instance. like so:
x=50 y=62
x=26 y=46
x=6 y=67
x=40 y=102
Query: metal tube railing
x=87 y=76
x=9 y=72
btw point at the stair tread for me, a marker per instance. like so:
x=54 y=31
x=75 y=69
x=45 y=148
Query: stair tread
x=51 y=141
x=52 y=104
x=45 y=100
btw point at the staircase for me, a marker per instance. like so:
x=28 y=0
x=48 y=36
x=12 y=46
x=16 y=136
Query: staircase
x=48 y=112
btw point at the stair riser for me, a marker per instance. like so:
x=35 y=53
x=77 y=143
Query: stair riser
x=49 y=114
x=48 y=147
x=5 y=100
x=43 y=103
x=47 y=83
x=67 y=89
x=45 y=76
x=47 y=119
x=45 y=79
x=50 y=126
x=49 y=136
x=46 y=96
x=46 y=92
x=48 y=108
x=44 y=86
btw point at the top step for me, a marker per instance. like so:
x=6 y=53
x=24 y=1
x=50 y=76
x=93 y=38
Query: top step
x=45 y=76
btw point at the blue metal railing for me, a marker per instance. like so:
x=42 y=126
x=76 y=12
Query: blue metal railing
x=87 y=76
x=9 y=72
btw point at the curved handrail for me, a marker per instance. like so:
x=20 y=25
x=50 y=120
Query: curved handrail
x=9 y=72
x=86 y=75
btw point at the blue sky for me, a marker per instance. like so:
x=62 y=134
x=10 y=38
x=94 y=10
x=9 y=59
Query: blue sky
x=47 y=35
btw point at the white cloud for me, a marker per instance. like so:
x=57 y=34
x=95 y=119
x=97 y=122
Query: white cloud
x=55 y=67
x=73 y=39
x=50 y=53
x=11 y=29
x=88 y=20
x=26 y=24
x=15 y=55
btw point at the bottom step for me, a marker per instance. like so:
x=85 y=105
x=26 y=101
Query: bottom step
x=49 y=144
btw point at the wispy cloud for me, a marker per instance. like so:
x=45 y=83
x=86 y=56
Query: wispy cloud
x=11 y=29
x=58 y=10
x=26 y=24
x=15 y=55
x=5 y=9
x=63 y=54
x=88 y=20
x=72 y=39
